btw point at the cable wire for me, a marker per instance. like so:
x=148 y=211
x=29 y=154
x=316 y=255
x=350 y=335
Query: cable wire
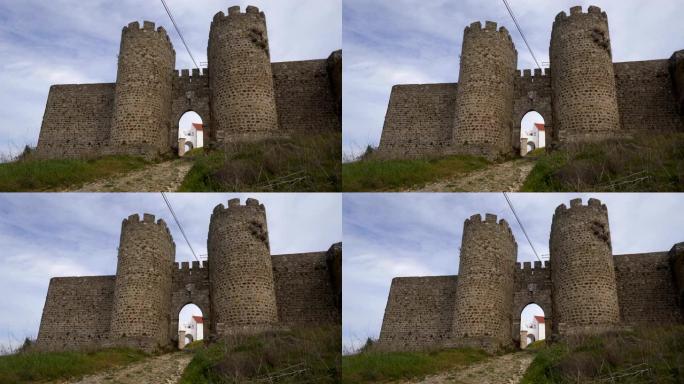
x=168 y=204
x=517 y=25
x=173 y=21
x=521 y=226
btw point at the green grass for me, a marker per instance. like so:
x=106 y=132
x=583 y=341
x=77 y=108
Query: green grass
x=309 y=355
x=390 y=175
x=646 y=355
x=309 y=163
x=35 y=367
x=40 y=175
x=651 y=164
x=379 y=367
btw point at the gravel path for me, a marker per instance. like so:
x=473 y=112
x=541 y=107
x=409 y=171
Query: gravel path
x=162 y=177
x=164 y=369
x=504 y=177
x=506 y=369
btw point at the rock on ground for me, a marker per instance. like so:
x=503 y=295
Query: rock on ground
x=162 y=177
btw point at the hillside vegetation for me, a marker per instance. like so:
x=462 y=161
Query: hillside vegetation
x=39 y=367
x=310 y=355
x=28 y=174
x=372 y=174
x=653 y=163
x=301 y=163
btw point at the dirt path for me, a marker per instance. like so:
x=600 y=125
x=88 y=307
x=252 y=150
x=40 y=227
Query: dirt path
x=164 y=369
x=504 y=177
x=162 y=177
x=506 y=369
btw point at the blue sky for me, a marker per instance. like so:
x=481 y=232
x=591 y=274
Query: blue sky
x=419 y=234
x=388 y=42
x=68 y=234
x=75 y=41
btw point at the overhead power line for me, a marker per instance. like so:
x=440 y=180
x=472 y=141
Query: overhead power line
x=521 y=226
x=517 y=25
x=168 y=204
x=173 y=21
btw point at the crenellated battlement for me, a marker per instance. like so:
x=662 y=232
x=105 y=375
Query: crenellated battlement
x=530 y=265
x=147 y=219
x=538 y=72
x=187 y=266
x=235 y=12
x=577 y=204
x=148 y=27
x=489 y=219
x=576 y=12
x=490 y=26
x=191 y=73
x=234 y=204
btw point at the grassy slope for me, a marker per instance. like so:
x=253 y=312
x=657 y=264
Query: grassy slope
x=41 y=175
x=652 y=163
x=647 y=355
x=34 y=367
x=300 y=163
x=309 y=355
x=388 y=175
x=378 y=367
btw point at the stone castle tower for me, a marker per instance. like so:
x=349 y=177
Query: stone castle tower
x=142 y=97
x=584 y=286
x=241 y=272
x=583 y=289
x=240 y=96
x=142 y=293
x=243 y=289
x=485 y=280
x=240 y=76
x=484 y=98
x=584 y=95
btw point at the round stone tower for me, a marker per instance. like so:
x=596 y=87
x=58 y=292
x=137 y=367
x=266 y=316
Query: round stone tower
x=484 y=295
x=584 y=292
x=240 y=77
x=484 y=98
x=142 y=292
x=142 y=99
x=240 y=268
x=584 y=97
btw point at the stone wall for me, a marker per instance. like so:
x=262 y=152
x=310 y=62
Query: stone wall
x=677 y=257
x=240 y=77
x=77 y=121
x=647 y=292
x=142 y=297
x=190 y=285
x=190 y=93
x=485 y=283
x=142 y=102
x=419 y=312
x=77 y=313
x=304 y=290
x=418 y=120
x=532 y=93
x=646 y=98
x=532 y=285
x=335 y=74
x=305 y=98
x=484 y=98
x=240 y=268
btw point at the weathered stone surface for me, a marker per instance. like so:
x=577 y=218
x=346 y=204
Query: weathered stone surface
x=584 y=287
x=583 y=97
x=676 y=67
x=251 y=97
x=139 y=307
